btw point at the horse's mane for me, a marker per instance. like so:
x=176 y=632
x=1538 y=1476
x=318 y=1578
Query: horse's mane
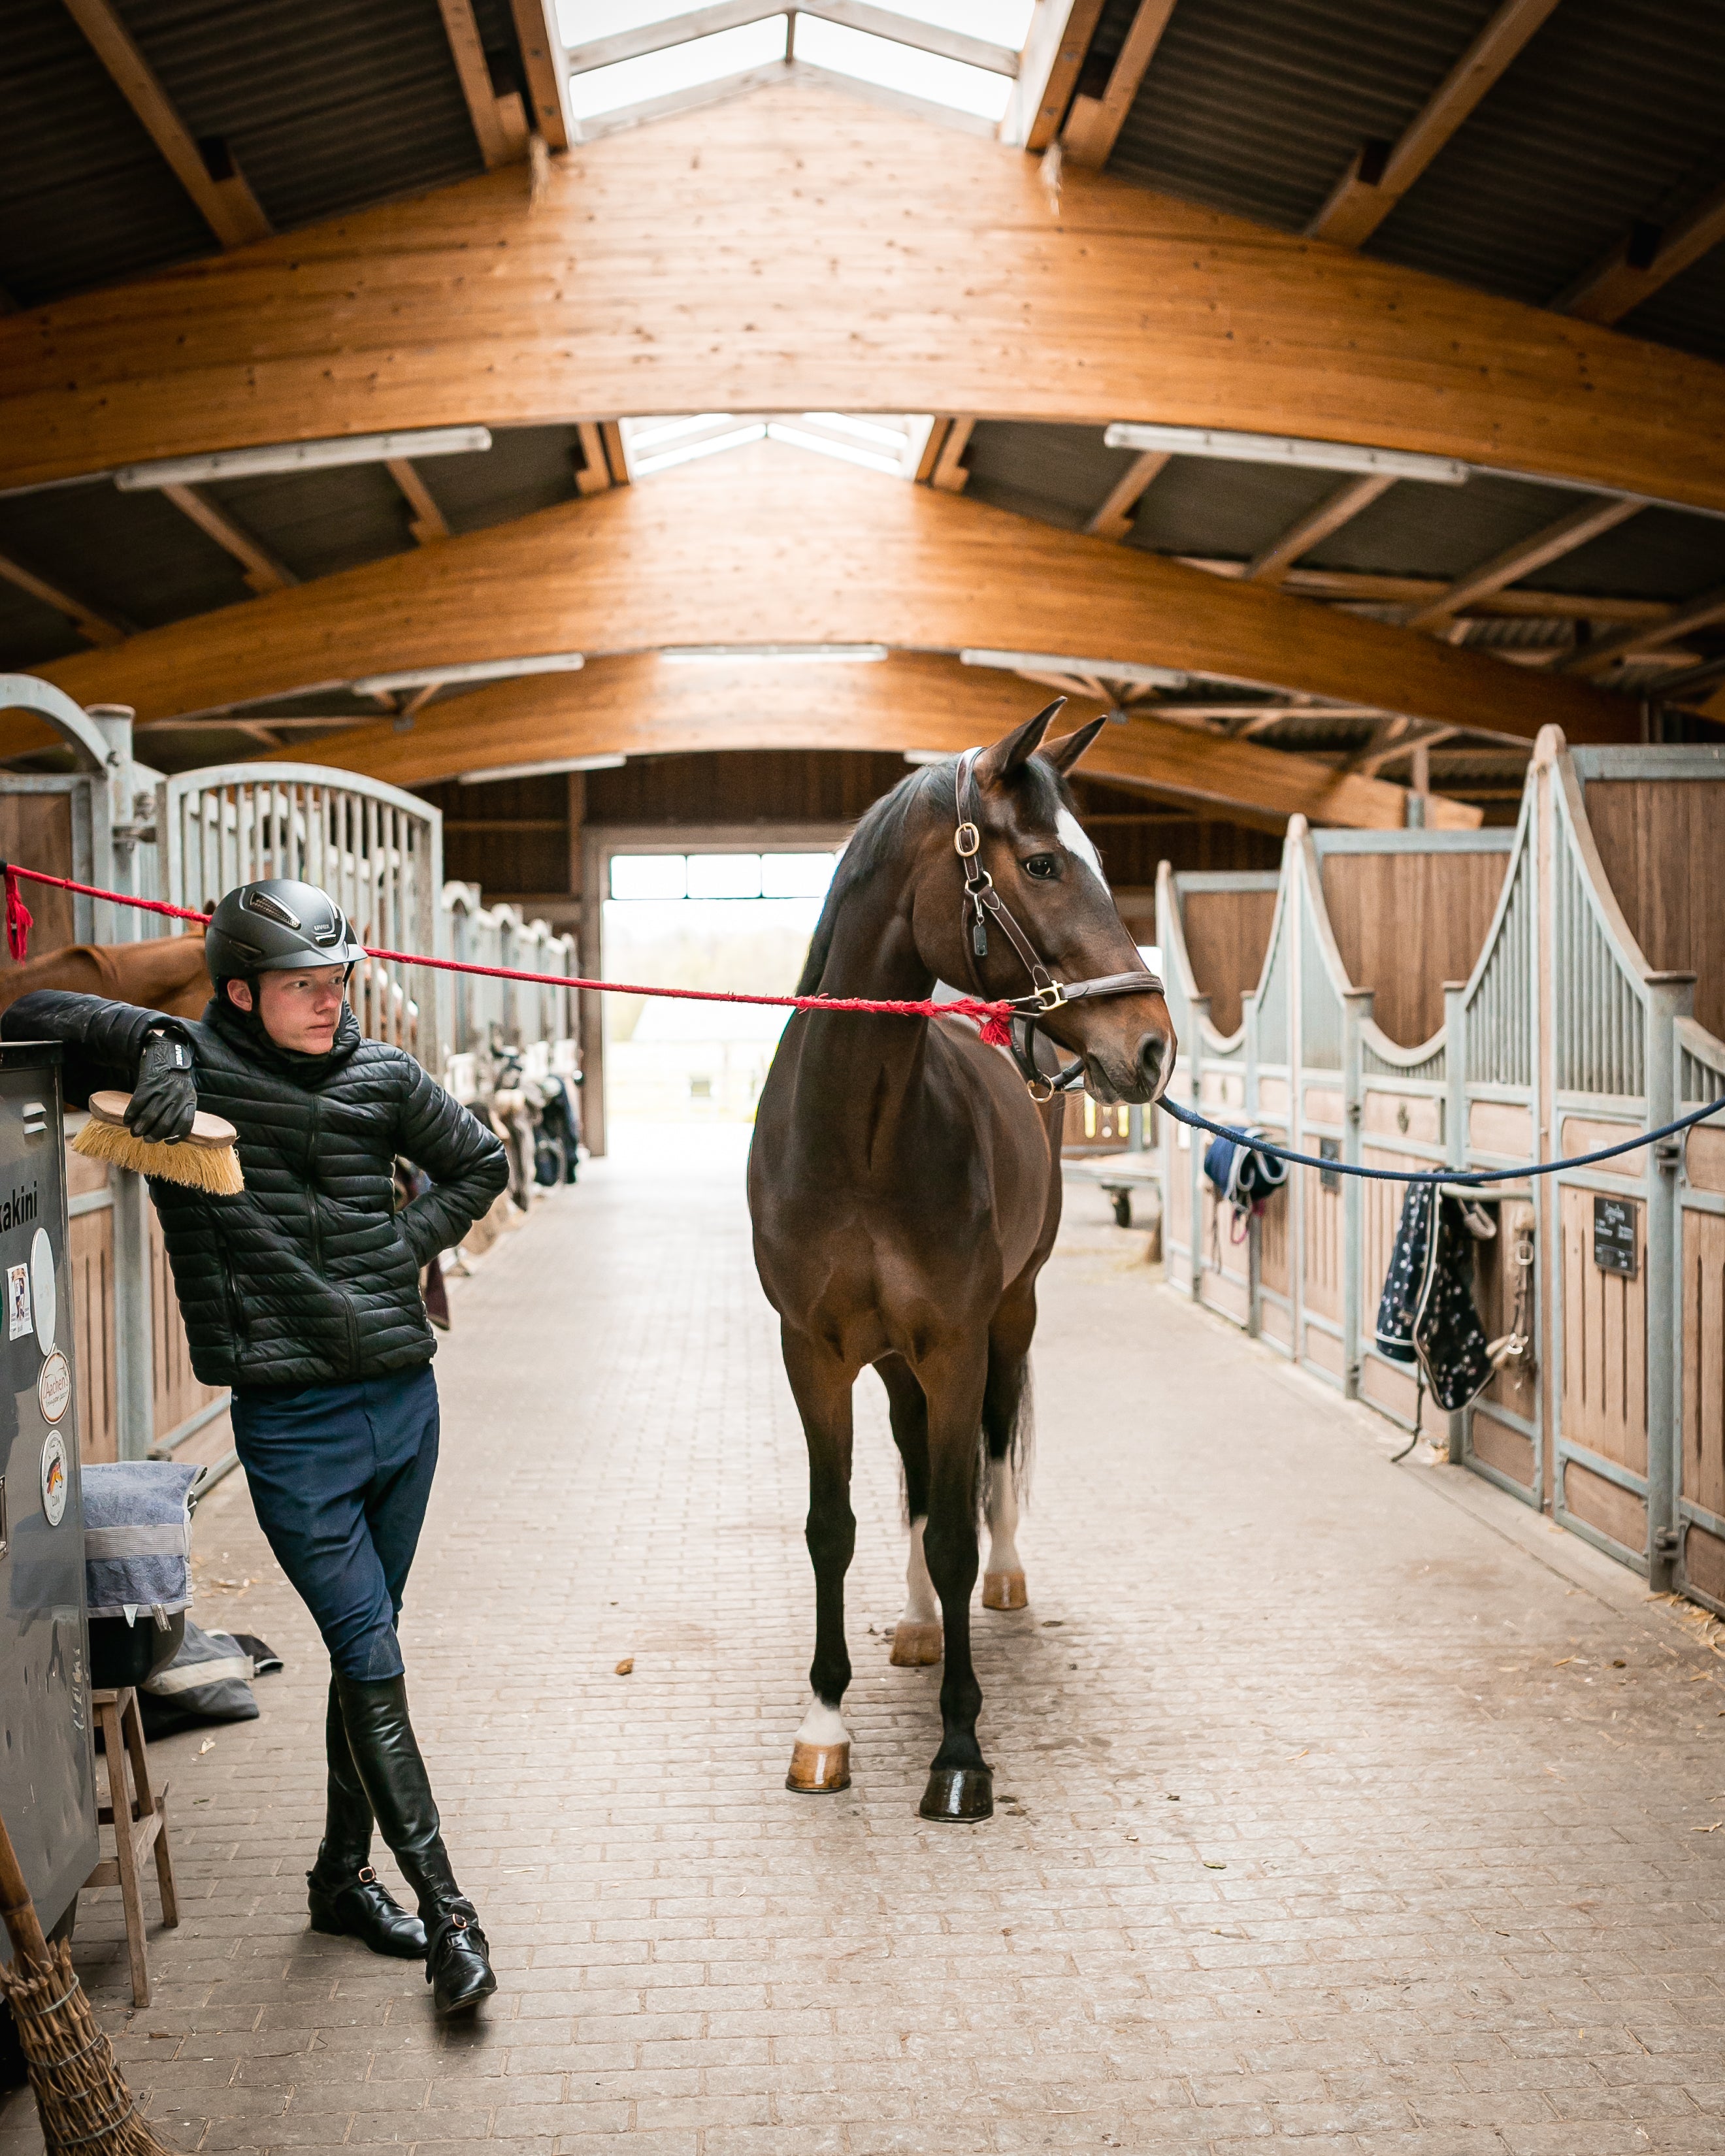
x=879 y=835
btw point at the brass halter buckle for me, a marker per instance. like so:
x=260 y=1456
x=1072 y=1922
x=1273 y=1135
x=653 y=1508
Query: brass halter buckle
x=1049 y=996
x=1044 y=1098
x=967 y=831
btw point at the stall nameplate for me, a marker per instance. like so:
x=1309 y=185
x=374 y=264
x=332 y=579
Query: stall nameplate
x=1614 y=1222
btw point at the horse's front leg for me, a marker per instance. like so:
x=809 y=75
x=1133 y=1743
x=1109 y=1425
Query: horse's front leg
x=960 y=1786
x=820 y=1761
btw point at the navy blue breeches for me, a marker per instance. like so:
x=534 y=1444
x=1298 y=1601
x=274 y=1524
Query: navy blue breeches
x=340 y=1477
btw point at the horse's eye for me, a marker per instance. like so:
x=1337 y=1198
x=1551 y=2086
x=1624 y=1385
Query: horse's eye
x=1043 y=867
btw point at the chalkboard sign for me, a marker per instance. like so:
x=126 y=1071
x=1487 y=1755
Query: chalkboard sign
x=1615 y=1235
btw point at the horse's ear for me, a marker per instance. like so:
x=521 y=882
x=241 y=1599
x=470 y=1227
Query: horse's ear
x=1014 y=750
x=1064 y=753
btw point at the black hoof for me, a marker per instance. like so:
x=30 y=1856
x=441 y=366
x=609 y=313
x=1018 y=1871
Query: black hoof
x=959 y=1792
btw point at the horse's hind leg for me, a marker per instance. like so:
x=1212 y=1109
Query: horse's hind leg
x=917 y=1637
x=820 y=1761
x=1006 y=1430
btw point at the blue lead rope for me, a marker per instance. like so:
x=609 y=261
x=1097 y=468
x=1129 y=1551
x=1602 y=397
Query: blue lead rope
x=1446 y=1176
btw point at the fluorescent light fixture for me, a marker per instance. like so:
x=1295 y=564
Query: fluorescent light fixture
x=551 y=770
x=800 y=438
x=1286 y=450
x=818 y=654
x=474 y=669
x=301 y=456
x=1052 y=662
x=865 y=430
x=677 y=67
x=754 y=432
x=890 y=65
x=652 y=436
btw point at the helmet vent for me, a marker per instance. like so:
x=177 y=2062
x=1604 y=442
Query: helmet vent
x=272 y=909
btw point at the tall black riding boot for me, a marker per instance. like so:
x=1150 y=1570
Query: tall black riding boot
x=381 y=1737
x=348 y=1898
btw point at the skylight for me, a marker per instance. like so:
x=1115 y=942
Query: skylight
x=891 y=442
x=677 y=67
x=890 y=65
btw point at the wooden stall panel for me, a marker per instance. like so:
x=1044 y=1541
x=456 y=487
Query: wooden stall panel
x=1504 y=1296
x=1322 y=1212
x=1615 y=1513
x=90 y=1250
x=1659 y=843
x=1227 y=934
x=1385 y=907
x=1703 y=1292
x=1390 y=1115
x=36 y=830
x=1225 y=1281
x=1604 y=1315
x=1178 y=1199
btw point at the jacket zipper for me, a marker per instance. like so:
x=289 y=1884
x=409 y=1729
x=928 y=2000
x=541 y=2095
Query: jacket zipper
x=345 y=1300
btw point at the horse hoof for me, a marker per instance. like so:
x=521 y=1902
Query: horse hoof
x=1004 y=1590
x=819 y=1770
x=959 y=1792
x=914 y=1646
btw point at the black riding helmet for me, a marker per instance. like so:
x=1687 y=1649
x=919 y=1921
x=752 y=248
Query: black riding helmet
x=273 y=926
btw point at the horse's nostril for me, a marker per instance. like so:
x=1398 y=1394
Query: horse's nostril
x=1153 y=1048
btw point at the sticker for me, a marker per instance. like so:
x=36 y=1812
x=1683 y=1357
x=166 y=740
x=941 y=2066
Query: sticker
x=54 y=1388
x=18 y=1319
x=53 y=1478
x=42 y=1281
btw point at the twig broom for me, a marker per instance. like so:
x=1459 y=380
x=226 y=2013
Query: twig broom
x=205 y=1161
x=81 y=2096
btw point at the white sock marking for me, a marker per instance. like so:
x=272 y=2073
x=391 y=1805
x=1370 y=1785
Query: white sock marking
x=921 y=1604
x=823 y=1725
x=1003 y=1514
x=1076 y=841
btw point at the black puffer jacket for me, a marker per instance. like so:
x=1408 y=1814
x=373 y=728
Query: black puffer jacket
x=310 y=1277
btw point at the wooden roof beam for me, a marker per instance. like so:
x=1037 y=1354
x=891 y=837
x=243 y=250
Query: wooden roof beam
x=94 y=627
x=1604 y=653
x=207 y=171
x=634 y=705
x=1643 y=260
x=379 y=320
x=1119 y=513
x=1524 y=557
x=948 y=473
x=500 y=125
x=264 y=571
x=1337 y=509
x=1053 y=59
x=1093 y=125
x=1383 y=173
x=427 y=523
x=536 y=29
x=875 y=561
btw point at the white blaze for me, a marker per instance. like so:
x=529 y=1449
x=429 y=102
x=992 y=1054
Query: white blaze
x=1076 y=841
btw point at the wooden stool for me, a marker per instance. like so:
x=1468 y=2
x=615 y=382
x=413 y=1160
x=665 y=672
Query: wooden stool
x=139 y=1819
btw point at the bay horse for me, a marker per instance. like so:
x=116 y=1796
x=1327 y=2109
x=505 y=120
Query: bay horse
x=905 y=1189
x=159 y=973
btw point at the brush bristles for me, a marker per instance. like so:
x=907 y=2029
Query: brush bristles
x=213 y=1168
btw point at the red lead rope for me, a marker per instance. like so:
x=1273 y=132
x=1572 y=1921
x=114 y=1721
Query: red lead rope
x=994 y=1016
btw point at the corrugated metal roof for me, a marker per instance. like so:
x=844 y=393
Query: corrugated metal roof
x=326 y=105
x=1205 y=507
x=32 y=633
x=319 y=523
x=1611 y=113
x=1421 y=531
x=1061 y=474
x=1660 y=554
x=86 y=196
x=132 y=557
x=525 y=468
x=1259 y=109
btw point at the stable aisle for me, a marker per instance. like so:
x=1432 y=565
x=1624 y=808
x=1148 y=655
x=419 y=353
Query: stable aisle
x=1337 y=1799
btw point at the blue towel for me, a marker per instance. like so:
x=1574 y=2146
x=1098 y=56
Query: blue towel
x=137 y=1537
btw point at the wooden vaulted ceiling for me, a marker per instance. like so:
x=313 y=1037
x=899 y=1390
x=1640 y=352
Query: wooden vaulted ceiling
x=801 y=249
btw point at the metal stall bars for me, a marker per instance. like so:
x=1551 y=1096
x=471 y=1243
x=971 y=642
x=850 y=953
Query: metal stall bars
x=1700 y=1056
x=1214 y=929
x=480 y=1016
x=1388 y=917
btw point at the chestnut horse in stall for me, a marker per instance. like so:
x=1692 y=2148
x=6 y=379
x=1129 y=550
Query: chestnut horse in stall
x=162 y=972
x=906 y=1189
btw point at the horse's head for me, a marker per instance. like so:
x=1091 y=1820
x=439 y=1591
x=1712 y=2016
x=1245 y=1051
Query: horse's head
x=1049 y=879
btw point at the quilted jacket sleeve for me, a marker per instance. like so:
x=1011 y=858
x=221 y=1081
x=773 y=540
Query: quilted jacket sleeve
x=467 y=1163
x=103 y=1041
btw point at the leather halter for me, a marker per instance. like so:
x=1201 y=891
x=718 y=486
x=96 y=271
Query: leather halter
x=983 y=904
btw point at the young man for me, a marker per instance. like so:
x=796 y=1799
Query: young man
x=303 y=1295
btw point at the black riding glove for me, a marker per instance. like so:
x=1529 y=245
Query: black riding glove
x=165 y=1099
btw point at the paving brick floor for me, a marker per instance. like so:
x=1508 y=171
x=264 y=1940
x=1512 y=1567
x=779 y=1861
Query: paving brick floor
x=1340 y=1801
